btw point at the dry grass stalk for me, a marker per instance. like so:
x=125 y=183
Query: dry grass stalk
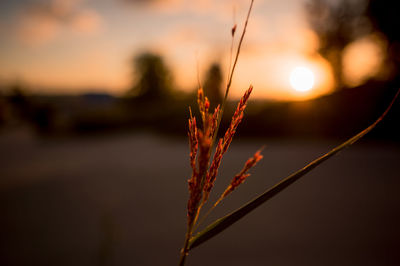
x=201 y=141
x=203 y=178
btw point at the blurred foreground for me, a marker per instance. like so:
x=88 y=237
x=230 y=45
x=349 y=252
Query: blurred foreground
x=121 y=200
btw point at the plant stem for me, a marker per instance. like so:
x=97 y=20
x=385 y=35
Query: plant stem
x=204 y=217
x=185 y=249
x=228 y=85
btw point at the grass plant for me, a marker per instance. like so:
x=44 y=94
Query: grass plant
x=205 y=171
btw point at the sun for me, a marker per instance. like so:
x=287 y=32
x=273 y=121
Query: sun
x=302 y=79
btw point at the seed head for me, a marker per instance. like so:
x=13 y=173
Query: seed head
x=233 y=30
x=242 y=175
x=193 y=141
x=223 y=145
x=214 y=121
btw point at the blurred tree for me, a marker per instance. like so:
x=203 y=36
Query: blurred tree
x=20 y=101
x=2 y=109
x=337 y=23
x=385 y=18
x=153 y=79
x=212 y=84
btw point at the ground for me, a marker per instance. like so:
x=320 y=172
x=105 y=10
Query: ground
x=120 y=200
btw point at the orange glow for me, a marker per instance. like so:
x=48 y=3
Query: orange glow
x=362 y=59
x=270 y=76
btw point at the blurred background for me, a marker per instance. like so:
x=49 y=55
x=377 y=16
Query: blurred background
x=94 y=99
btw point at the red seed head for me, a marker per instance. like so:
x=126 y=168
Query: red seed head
x=206 y=104
x=214 y=121
x=242 y=175
x=213 y=171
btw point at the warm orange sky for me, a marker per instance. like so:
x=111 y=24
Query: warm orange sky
x=60 y=46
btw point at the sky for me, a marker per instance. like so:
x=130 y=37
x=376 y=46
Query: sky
x=76 y=46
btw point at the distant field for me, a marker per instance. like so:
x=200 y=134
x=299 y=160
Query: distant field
x=121 y=199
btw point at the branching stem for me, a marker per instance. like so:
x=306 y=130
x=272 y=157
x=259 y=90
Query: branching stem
x=185 y=249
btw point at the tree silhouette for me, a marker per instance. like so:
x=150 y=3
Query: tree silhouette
x=153 y=79
x=212 y=84
x=385 y=18
x=337 y=23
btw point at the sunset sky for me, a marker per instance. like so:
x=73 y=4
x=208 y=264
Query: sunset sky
x=75 y=46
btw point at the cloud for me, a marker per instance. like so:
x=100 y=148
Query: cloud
x=87 y=21
x=162 y=6
x=144 y=2
x=35 y=29
x=43 y=22
x=149 y=2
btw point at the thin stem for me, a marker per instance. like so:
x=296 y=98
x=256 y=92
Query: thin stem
x=230 y=59
x=206 y=215
x=228 y=85
x=197 y=216
x=198 y=73
x=196 y=226
x=238 y=51
x=185 y=249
